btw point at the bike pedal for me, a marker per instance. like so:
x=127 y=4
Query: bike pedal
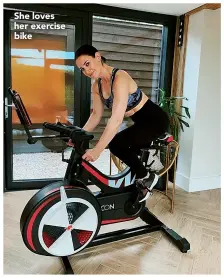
x=149 y=190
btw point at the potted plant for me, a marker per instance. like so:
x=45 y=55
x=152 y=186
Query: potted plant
x=169 y=105
x=177 y=122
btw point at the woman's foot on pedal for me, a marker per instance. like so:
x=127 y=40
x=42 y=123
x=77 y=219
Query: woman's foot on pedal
x=151 y=181
x=145 y=194
x=146 y=185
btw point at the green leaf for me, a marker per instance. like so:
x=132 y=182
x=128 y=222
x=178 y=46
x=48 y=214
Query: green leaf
x=181 y=97
x=175 y=127
x=186 y=111
x=181 y=125
x=176 y=133
x=184 y=122
x=172 y=109
x=165 y=107
x=161 y=96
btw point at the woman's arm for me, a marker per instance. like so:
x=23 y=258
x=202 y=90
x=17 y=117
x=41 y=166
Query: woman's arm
x=121 y=91
x=97 y=111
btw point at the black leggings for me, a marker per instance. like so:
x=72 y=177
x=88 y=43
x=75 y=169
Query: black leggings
x=150 y=122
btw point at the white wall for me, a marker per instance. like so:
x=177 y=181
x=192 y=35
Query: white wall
x=199 y=162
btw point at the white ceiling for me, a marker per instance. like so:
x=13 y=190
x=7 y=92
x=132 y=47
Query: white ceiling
x=170 y=8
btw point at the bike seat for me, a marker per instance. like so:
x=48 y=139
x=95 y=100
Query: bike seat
x=166 y=137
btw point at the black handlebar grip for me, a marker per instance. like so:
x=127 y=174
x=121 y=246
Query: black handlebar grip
x=57 y=128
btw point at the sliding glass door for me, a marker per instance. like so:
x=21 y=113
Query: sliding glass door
x=40 y=66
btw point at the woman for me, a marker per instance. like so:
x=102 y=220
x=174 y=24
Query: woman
x=117 y=90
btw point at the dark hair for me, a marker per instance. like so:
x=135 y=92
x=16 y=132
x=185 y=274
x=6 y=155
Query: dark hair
x=87 y=50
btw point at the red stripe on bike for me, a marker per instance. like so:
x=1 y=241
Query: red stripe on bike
x=30 y=225
x=109 y=221
x=53 y=190
x=95 y=173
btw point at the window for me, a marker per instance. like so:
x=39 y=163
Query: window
x=43 y=74
x=132 y=46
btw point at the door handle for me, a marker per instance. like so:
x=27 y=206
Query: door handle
x=7 y=108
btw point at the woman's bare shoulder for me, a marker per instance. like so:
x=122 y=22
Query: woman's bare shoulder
x=124 y=76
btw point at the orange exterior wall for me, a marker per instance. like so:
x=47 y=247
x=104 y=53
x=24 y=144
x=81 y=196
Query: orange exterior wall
x=41 y=88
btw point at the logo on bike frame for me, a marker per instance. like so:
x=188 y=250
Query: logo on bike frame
x=107 y=207
x=126 y=180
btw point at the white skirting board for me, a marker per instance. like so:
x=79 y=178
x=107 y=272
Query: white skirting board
x=198 y=184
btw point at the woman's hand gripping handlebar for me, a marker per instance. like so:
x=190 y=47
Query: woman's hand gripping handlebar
x=77 y=135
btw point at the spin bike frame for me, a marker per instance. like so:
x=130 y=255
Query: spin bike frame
x=116 y=190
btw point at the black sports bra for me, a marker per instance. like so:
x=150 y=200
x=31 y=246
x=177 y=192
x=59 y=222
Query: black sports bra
x=133 y=99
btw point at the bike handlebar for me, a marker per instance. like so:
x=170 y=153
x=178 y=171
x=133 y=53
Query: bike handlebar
x=78 y=136
x=58 y=128
x=75 y=133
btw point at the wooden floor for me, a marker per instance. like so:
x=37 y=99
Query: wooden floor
x=197 y=217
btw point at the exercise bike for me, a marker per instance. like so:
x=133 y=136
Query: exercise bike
x=64 y=217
